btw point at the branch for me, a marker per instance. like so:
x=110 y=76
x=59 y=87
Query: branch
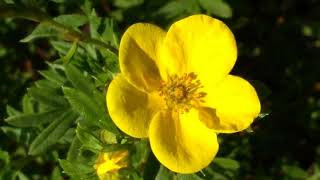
x=36 y=15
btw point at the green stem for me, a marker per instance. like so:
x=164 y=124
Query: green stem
x=70 y=53
x=41 y=17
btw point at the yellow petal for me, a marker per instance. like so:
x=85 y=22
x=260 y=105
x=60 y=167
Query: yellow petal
x=199 y=44
x=131 y=109
x=182 y=144
x=138 y=53
x=231 y=106
x=119 y=156
x=107 y=167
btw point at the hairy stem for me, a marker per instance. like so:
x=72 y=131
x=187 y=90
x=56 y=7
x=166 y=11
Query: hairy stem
x=36 y=15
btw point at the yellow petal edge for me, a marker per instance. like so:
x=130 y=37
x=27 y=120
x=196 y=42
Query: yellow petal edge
x=130 y=109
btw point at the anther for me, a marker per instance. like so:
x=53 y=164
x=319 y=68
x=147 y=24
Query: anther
x=182 y=93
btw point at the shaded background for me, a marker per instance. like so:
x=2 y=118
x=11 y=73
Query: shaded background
x=279 y=50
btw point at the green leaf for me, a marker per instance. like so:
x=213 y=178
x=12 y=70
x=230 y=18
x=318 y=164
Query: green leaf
x=171 y=9
x=34 y=120
x=12 y=132
x=18 y=134
x=44 y=83
x=92 y=52
x=27 y=105
x=127 y=3
x=87 y=7
x=75 y=169
x=56 y=174
x=174 y=9
x=109 y=34
x=4 y=157
x=108 y=137
x=74 y=150
x=152 y=166
x=88 y=108
x=9 y=1
x=95 y=24
x=115 y=147
x=79 y=80
x=50 y=135
x=227 y=163
x=11 y=111
x=215 y=172
x=21 y=176
x=68 y=137
x=72 y=20
x=140 y=156
x=294 y=172
x=53 y=76
x=315 y=174
x=83 y=104
x=88 y=140
x=41 y=31
x=66 y=59
x=103 y=29
x=217 y=7
x=48 y=97
x=165 y=174
x=64 y=47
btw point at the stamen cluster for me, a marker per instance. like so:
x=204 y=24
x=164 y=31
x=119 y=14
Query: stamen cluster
x=182 y=93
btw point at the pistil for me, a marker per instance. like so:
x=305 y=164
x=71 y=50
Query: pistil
x=182 y=93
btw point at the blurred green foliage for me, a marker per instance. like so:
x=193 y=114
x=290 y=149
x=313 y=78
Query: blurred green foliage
x=278 y=45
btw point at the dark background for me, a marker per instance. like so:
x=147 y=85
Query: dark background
x=279 y=51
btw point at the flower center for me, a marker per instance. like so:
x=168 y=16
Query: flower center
x=182 y=93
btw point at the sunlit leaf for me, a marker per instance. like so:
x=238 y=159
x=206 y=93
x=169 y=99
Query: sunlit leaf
x=41 y=31
x=48 y=97
x=50 y=135
x=76 y=170
x=53 y=76
x=88 y=140
x=27 y=105
x=108 y=137
x=64 y=47
x=11 y=111
x=74 y=150
x=175 y=9
x=83 y=104
x=56 y=174
x=72 y=51
x=88 y=108
x=72 y=20
x=140 y=156
x=103 y=29
x=165 y=174
x=79 y=80
x=294 y=172
x=172 y=9
x=34 y=120
x=4 y=157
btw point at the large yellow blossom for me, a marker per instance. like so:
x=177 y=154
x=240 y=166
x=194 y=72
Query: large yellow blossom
x=175 y=89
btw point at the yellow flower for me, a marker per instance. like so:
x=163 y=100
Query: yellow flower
x=175 y=89
x=109 y=163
